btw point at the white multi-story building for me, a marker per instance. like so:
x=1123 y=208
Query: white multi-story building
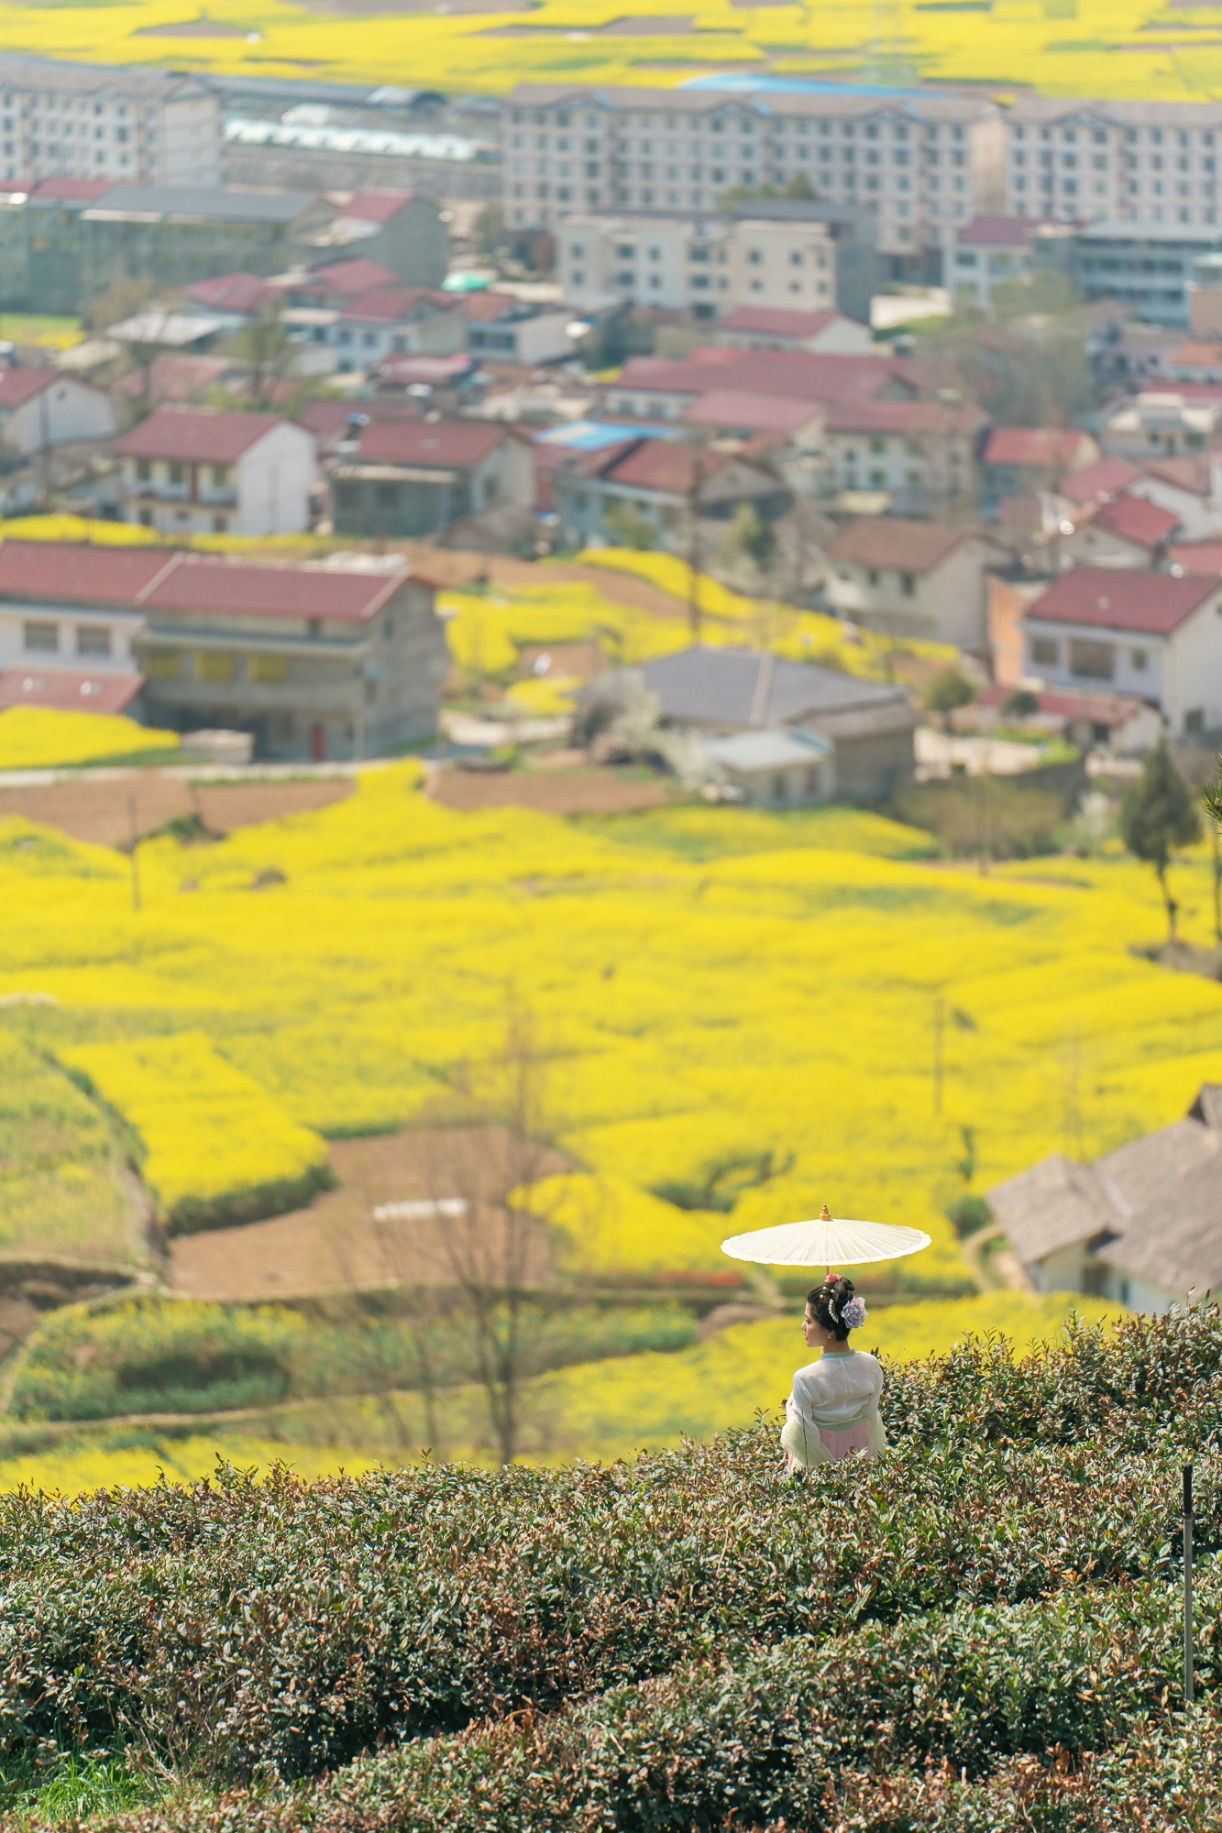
x=1126 y=162
x=920 y=165
x=60 y=120
x=708 y=267
x=187 y=471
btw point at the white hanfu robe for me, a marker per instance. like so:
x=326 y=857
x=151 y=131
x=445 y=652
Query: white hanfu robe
x=833 y=1410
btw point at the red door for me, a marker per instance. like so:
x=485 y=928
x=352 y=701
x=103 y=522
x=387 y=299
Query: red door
x=318 y=743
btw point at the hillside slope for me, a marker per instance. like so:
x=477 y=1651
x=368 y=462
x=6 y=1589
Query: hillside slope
x=985 y=1620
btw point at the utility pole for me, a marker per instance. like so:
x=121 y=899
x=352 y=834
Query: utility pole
x=132 y=859
x=693 y=552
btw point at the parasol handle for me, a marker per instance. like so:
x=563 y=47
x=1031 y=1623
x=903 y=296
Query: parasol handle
x=825 y=1215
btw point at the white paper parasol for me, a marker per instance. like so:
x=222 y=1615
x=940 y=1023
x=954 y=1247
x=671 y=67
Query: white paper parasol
x=826 y=1242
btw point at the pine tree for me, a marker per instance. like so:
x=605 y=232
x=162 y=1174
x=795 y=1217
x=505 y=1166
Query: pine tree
x=1159 y=815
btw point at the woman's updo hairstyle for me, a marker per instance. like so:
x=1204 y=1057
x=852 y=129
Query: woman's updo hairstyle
x=834 y=1306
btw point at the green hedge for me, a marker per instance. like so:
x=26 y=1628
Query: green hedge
x=284 y=1627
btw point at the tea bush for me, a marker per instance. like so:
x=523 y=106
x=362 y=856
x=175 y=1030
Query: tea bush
x=284 y=1628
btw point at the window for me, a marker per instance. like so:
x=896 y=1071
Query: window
x=92 y=640
x=214 y=665
x=1092 y=661
x=313 y=627
x=162 y=664
x=1045 y=651
x=908 y=585
x=220 y=477
x=1139 y=660
x=144 y=470
x=177 y=473
x=1194 y=719
x=270 y=671
x=40 y=639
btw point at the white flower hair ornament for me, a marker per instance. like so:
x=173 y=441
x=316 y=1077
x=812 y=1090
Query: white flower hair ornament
x=854 y=1314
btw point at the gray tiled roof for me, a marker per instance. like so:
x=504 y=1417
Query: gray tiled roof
x=49 y=74
x=1153 y=1208
x=204 y=201
x=744 y=688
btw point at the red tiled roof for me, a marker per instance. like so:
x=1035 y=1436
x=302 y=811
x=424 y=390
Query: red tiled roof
x=17 y=386
x=377 y=206
x=67 y=690
x=485 y=306
x=1197 y=354
x=890 y=541
x=657 y=464
x=1203 y=557
x=358 y=275
x=445 y=444
x=73 y=190
x=195 y=435
x=202 y=584
x=1100 y=709
x=1047 y=447
x=385 y=304
x=787 y=373
x=77 y=572
x=238 y=292
x=174 y=378
x=435 y=370
x=997 y=232
x=1191 y=474
x=770 y=321
x=734 y=407
x=1115 y=598
x=1135 y=519
x=909 y=417
x=1095 y=482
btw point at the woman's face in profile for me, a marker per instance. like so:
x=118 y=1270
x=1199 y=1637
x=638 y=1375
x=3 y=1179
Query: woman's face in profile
x=811 y=1330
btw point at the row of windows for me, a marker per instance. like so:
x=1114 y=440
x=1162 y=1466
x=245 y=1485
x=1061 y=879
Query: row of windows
x=43 y=639
x=216 y=665
x=1091 y=661
x=220 y=476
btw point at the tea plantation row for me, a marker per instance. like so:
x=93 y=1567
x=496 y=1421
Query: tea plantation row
x=692 y=1637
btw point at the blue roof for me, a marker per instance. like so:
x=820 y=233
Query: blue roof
x=744 y=82
x=596 y=435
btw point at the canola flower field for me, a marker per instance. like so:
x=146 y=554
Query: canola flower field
x=607 y=1409
x=1067 y=47
x=730 y=1002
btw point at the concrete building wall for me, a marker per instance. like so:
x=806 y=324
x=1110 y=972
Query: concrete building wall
x=63 y=411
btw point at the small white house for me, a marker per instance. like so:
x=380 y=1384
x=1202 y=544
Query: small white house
x=41 y=407
x=197 y=471
x=916 y=579
x=776 y=768
x=1153 y=636
x=1141 y=1226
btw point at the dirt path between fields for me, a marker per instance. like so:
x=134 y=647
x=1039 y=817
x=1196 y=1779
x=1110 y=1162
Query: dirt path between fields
x=339 y=1245
x=97 y=809
x=450 y=567
x=588 y=792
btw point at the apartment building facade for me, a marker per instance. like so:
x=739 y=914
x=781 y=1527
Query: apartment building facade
x=921 y=165
x=1125 y=162
x=134 y=126
x=708 y=267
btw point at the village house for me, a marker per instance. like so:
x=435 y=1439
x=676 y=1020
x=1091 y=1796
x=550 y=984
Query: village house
x=1161 y=424
x=1191 y=488
x=666 y=388
x=828 y=333
x=1141 y=1226
x=198 y=471
x=1126 y=530
x=396 y=229
x=314 y=661
x=921 y=454
x=1152 y=636
x=501 y=328
x=394 y=321
x=993 y=251
x=413 y=479
x=916 y=579
x=662 y=483
x=1019 y=461
x=44 y=407
x=854 y=737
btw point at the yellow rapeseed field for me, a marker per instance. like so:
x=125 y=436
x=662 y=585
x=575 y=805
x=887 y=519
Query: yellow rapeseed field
x=34 y=738
x=739 y=1008
x=1067 y=47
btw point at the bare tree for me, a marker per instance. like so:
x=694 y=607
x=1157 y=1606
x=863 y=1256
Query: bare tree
x=493 y=1232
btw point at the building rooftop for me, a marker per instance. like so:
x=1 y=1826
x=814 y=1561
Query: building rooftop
x=49 y=74
x=1046 y=447
x=1136 y=519
x=444 y=444
x=1151 y=1209
x=814 y=376
x=997 y=232
x=1094 y=483
x=772 y=321
x=205 y=585
x=742 y=411
x=196 y=435
x=1115 y=598
x=78 y=572
x=68 y=690
x=201 y=203
x=17 y=386
x=890 y=541
x=748 y=688
x=377 y=206
x=238 y=292
x=389 y=304
x=1201 y=557
x=356 y=275
x=770 y=750
x=907 y=417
